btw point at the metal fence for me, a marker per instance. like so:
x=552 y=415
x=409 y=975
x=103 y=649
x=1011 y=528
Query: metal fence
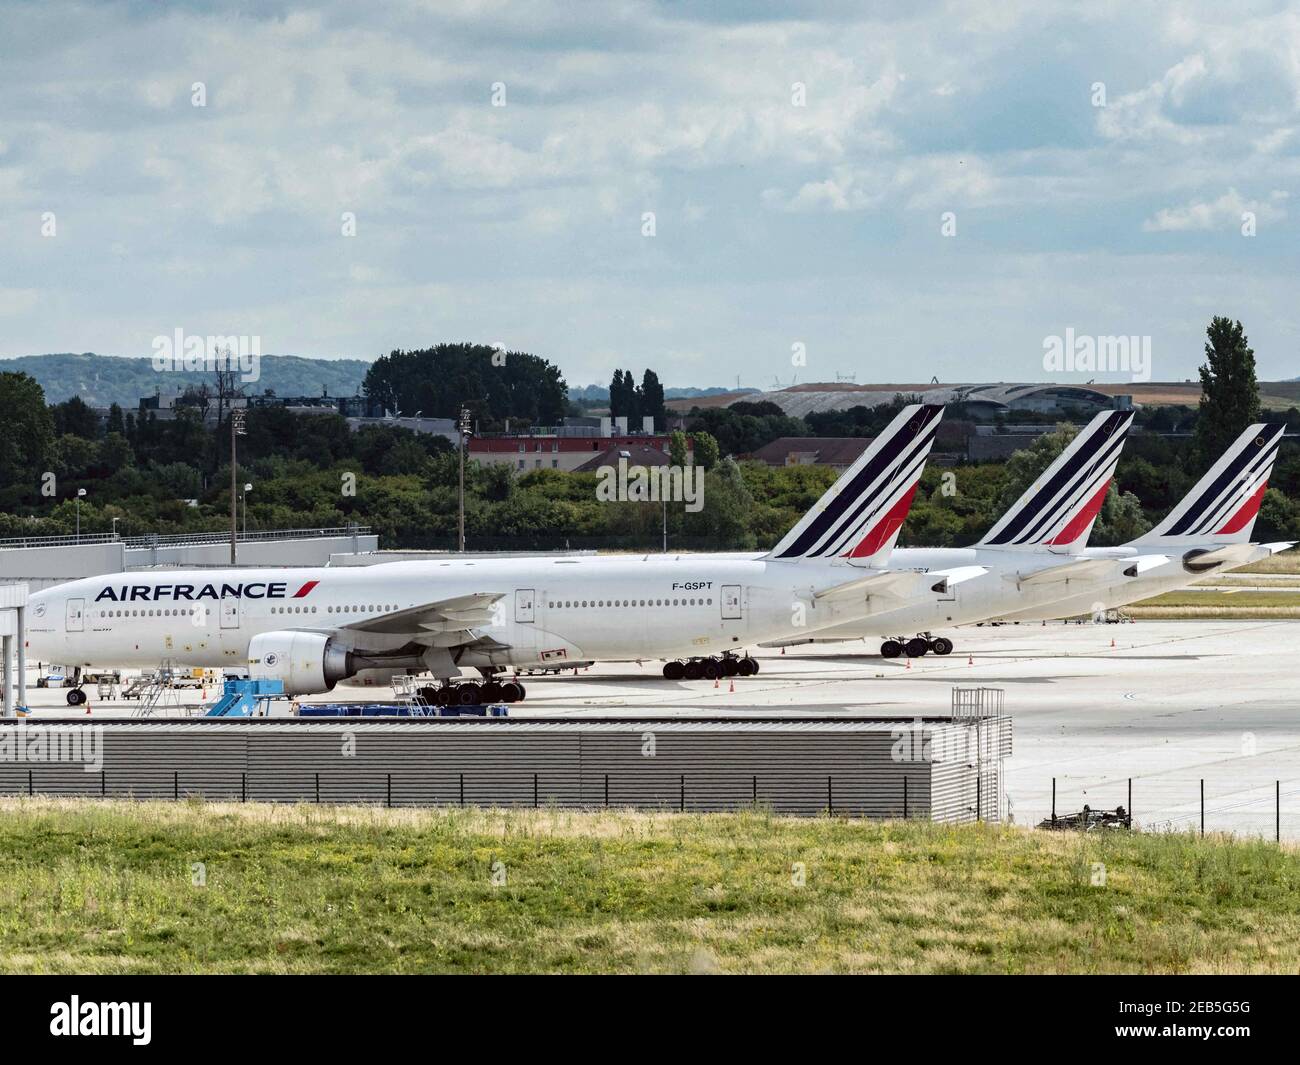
x=1264 y=808
x=183 y=539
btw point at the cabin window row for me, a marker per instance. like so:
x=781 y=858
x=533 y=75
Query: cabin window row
x=569 y=604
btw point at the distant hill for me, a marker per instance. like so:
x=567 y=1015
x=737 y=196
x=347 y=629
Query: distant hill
x=600 y=393
x=104 y=379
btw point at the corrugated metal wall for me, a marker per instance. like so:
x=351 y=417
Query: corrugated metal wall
x=804 y=768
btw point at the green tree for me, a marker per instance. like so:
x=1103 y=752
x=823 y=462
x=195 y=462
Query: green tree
x=26 y=432
x=706 y=450
x=677 y=449
x=652 y=398
x=76 y=417
x=493 y=384
x=1229 y=390
x=725 y=519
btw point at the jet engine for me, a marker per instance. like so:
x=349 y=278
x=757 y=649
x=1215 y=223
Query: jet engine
x=307 y=662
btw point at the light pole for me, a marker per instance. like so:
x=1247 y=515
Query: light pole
x=247 y=488
x=80 y=492
x=236 y=429
x=464 y=432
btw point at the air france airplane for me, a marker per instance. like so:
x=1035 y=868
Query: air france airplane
x=1208 y=531
x=1025 y=579
x=313 y=627
x=1032 y=557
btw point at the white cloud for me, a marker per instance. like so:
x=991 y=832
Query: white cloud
x=1226 y=211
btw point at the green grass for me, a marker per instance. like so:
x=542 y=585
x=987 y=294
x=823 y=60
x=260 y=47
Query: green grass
x=1193 y=603
x=107 y=887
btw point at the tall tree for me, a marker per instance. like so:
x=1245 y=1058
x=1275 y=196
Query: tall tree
x=623 y=399
x=652 y=398
x=1229 y=390
x=26 y=433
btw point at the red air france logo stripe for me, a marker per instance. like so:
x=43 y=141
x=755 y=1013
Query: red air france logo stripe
x=886 y=527
x=1083 y=519
x=1247 y=512
x=305 y=589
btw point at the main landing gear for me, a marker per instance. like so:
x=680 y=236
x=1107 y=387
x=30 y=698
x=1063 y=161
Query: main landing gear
x=916 y=646
x=724 y=665
x=473 y=693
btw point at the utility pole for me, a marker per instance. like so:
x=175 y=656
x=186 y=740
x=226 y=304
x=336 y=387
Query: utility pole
x=236 y=429
x=464 y=427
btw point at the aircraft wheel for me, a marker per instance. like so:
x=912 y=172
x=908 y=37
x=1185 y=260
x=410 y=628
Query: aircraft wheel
x=692 y=670
x=491 y=692
x=711 y=669
x=674 y=670
x=76 y=697
x=730 y=667
x=429 y=694
x=511 y=692
x=748 y=667
x=469 y=694
x=941 y=645
x=916 y=647
x=891 y=649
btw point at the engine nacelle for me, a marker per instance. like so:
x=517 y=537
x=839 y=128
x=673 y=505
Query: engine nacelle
x=307 y=662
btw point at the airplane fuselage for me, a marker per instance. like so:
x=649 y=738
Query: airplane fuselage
x=550 y=610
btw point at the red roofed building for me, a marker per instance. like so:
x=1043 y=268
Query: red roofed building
x=568 y=453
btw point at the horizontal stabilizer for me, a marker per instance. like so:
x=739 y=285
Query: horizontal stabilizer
x=1082 y=569
x=1140 y=564
x=899 y=584
x=945 y=580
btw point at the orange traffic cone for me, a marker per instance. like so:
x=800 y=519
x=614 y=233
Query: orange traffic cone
x=88 y=708
x=970 y=660
x=1112 y=641
x=909 y=664
x=716 y=682
x=732 y=689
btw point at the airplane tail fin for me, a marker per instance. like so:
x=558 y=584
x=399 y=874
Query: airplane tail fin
x=1057 y=512
x=1222 y=506
x=860 y=515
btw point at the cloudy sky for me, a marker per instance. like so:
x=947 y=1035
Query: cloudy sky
x=798 y=158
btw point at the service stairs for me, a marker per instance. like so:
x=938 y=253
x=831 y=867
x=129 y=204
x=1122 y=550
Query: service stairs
x=247 y=698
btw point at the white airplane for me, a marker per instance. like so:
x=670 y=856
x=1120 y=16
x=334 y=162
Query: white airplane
x=1209 y=530
x=312 y=627
x=1034 y=556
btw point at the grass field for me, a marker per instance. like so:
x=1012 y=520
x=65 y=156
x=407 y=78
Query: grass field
x=108 y=887
x=1194 y=603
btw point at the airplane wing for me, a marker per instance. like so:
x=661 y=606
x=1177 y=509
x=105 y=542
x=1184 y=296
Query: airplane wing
x=460 y=614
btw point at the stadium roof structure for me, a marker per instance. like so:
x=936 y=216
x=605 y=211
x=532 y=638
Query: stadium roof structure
x=989 y=399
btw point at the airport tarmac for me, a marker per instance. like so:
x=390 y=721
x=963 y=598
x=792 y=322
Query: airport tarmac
x=1170 y=704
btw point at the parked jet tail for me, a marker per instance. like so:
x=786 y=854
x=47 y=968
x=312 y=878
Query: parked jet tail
x=860 y=515
x=1057 y=512
x=1223 y=505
